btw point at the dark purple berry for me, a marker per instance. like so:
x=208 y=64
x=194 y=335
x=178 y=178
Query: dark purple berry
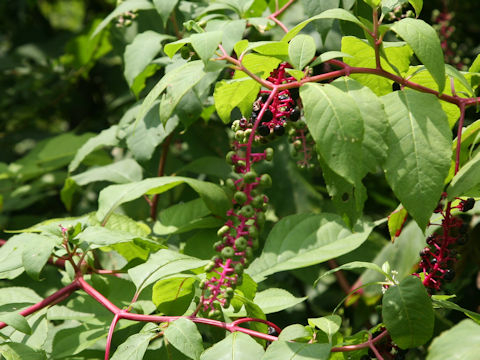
x=254 y=115
x=431 y=240
x=449 y=275
x=463 y=239
x=295 y=114
x=424 y=252
x=467 y=204
x=294 y=93
x=267 y=116
x=279 y=130
x=395 y=86
x=263 y=130
x=433 y=261
x=243 y=122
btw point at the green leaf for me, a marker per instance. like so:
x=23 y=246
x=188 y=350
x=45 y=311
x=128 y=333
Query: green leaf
x=206 y=43
x=17 y=321
x=234 y=29
x=283 y=350
x=417 y=5
x=396 y=220
x=173 y=296
x=171 y=49
x=235 y=93
x=460 y=342
x=373 y=3
x=258 y=64
x=328 y=324
x=336 y=125
x=297 y=74
x=329 y=55
x=408 y=313
x=99 y=236
x=106 y=137
x=133 y=348
x=302 y=240
x=236 y=346
x=363 y=55
x=357 y=265
x=165 y=8
x=418 y=158
x=130 y=5
x=184 y=336
x=35 y=257
x=162 y=264
x=466 y=180
x=301 y=51
x=177 y=82
x=294 y=332
x=425 y=43
x=18 y=351
x=340 y=14
x=455 y=74
x=141 y=52
x=445 y=304
x=123 y=171
x=114 y=195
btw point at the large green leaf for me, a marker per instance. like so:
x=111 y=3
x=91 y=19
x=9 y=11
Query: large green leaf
x=17 y=321
x=336 y=125
x=35 y=257
x=172 y=296
x=445 y=304
x=17 y=351
x=418 y=157
x=239 y=93
x=141 y=52
x=236 y=346
x=114 y=195
x=176 y=83
x=425 y=43
x=340 y=14
x=466 y=180
x=162 y=264
x=99 y=236
x=302 y=240
x=206 y=43
x=120 y=172
x=106 y=137
x=363 y=55
x=301 y=50
x=408 y=313
x=133 y=348
x=283 y=350
x=460 y=342
x=183 y=334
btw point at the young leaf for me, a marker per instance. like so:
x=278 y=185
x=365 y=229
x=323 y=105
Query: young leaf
x=302 y=240
x=425 y=43
x=283 y=350
x=336 y=125
x=184 y=336
x=418 y=158
x=206 y=43
x=17 y=321
x=408 y=313
x=114 y=195
x=396 y=220
x=301 y=50
x=460 y=342
x=236 y=346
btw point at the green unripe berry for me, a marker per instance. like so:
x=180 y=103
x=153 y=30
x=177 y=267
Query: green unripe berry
x=238 y=269
x=228 y=252
x=209 y=267
x=229 y=183
x=257 y=201
x=203 y=284
x=239 y=134
x=229 y=157
x=236 y=125
x=241 y=163
x=250 y=177
x=255 y=243
x=223 y=230
x=227 y=303
x=247 y=133
x=229 y=292
x=253 y=231
x=247 y=211
x=260 y=219
x=240 y=197
x=265 y=180
x=297 y=144
x=248 y=253
x=269 y=154
x=185 y=52
x=241 y=243
x=217 y=244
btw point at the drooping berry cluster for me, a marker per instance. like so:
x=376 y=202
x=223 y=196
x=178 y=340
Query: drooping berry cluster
x=282 y=107
x=239 y=235
x=303 y=144
x=439 y=257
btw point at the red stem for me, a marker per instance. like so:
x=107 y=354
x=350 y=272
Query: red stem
x=360 y=346
x=110 y=336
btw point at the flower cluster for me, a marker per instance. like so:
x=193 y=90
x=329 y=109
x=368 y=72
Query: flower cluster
x=439 y=257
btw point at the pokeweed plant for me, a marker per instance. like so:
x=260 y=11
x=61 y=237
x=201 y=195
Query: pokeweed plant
x=177 y=275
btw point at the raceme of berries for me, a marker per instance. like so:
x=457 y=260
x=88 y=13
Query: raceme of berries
x=440 y=255
x=282 y=107
x=302 y=143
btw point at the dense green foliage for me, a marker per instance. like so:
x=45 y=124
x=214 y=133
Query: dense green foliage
x=304 y=158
